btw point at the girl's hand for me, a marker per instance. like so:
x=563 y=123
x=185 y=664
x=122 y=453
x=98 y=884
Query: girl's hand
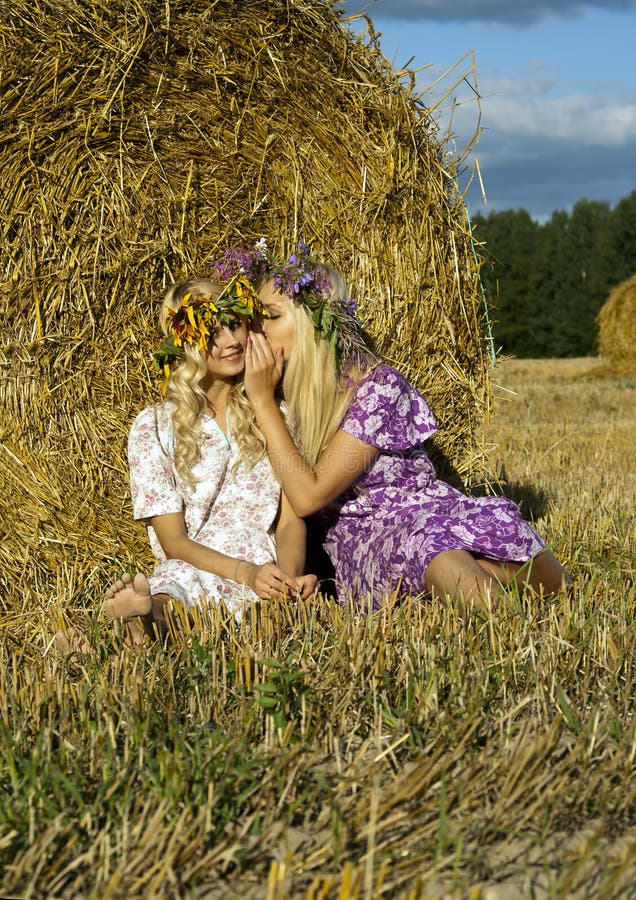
x=267 y=580
x=307 y=585
x=263 y=368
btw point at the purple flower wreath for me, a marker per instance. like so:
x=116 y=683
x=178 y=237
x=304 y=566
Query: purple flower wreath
x=308 y=284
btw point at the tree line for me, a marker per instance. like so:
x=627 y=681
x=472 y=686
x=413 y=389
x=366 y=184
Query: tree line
x=545 y=283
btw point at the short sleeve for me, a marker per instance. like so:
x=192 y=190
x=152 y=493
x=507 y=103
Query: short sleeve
x=388 y=413
x=152 y=476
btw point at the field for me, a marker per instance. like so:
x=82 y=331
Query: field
x=319 y=752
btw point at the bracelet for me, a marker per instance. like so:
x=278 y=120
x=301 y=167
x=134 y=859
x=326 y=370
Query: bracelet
x=236 y=568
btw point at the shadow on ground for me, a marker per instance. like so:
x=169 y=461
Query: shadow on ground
x=532 y=501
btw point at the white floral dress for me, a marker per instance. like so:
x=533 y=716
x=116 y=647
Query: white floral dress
x=231 y=508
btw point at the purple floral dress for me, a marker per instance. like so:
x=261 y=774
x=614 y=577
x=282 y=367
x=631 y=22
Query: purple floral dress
x=385 y=530
x=232 y=508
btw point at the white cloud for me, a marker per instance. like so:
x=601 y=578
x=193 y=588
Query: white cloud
x=598 y=122
x=523 y=106
x=543 y=152
x=519 y=108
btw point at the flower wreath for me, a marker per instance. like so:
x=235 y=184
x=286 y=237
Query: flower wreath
x=194 y=320
x=307 y=283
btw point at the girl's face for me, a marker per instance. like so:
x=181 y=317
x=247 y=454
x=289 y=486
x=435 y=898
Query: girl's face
x=278 y=322
x=225 y=353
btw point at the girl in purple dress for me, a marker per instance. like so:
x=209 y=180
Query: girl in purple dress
x=391 y=524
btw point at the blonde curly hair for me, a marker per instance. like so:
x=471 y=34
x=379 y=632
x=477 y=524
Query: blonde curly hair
x=183 y=390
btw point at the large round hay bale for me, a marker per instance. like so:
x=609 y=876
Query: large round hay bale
x=139 y=138
x=617 y=327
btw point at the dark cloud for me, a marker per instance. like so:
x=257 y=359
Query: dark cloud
x=555 y=177
x=488 y=12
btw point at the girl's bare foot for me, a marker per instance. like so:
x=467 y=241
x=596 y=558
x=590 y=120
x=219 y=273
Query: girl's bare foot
x=128 y=597
x=75 y=643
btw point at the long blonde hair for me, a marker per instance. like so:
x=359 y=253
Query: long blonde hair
x=317 y=394
x=184 y=391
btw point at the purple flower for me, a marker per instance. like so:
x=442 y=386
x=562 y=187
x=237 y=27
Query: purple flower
x=241 y=261
x=350 y=307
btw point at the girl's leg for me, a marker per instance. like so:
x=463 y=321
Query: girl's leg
x=544 y=574
x=456 y=573
x=547 y=575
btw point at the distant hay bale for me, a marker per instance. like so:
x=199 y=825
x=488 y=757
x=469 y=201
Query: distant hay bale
x=138 y=139
x=617 y=327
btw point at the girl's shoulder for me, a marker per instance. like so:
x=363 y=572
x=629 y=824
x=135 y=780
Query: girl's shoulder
x=388 y=412
x=152 y=430
x=156 y=417
x=383 y=379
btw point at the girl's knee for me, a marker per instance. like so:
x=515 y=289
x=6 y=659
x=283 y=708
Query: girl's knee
x=547 y=575
x=456 y=573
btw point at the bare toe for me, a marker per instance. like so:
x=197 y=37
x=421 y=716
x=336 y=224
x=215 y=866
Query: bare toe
x=114 y=588
x=132 y=599
x=126 y=581
x=140 y=584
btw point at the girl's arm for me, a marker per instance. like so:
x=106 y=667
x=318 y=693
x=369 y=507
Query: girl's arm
x=340 y=465
x=291 y=546
x=265 y=580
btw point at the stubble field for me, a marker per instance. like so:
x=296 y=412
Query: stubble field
x=322 y=753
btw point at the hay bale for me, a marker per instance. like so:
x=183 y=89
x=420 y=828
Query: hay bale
x=617 y=327
x=140 y=138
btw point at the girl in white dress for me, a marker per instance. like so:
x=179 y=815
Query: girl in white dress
x=200 y=477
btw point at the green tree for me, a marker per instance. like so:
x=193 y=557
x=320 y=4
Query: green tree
x=572 y=279
x=546 y=283
x=510 y=242
x=620 y=242
x=589 y=224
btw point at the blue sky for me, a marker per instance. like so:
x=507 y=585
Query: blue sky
x=557 y=87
